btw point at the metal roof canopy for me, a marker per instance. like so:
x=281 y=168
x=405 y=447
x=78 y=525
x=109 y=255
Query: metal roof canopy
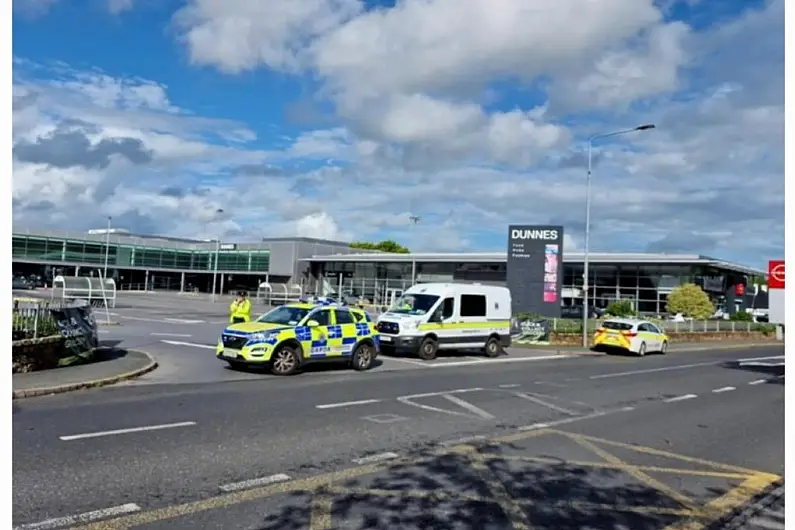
x=595 y=258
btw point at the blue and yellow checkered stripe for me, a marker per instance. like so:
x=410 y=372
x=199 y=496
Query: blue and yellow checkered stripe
x=339 y=341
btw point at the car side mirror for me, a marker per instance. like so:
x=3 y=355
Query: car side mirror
x=313 y=323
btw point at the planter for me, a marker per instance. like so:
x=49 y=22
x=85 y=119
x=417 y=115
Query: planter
x=30 y=355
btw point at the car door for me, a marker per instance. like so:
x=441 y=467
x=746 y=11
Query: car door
x=344 y=326
x=443 y=323
x=649 y=336
x=658 y=335
x=321 y=344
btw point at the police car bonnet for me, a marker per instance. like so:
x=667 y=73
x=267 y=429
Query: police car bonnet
x=534 y=234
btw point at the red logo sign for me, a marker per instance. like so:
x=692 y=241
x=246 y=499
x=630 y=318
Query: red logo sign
x=739 y=289
x=775 y=270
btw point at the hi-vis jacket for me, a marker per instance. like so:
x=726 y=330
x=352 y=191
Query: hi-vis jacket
x=240 y=310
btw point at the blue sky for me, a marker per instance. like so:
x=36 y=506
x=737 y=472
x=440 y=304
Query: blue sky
x=332 y=118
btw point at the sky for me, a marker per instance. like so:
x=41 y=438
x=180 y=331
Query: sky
x=344 y=119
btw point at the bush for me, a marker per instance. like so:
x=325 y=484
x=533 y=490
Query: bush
x=621 y=308
x=691 y=301
x=741 y=316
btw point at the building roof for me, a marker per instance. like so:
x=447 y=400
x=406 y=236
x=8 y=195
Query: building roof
x=638 y=258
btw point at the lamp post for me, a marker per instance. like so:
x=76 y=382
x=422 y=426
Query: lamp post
x=107 y=250
x=215 y=259
x=585 y=308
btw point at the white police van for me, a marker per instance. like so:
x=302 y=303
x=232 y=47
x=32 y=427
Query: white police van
x=447 y=316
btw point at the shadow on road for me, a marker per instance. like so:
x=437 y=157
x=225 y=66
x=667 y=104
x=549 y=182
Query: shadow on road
x=772 y=370
x=313 y=367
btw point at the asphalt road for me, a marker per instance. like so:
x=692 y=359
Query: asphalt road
x=199 y=455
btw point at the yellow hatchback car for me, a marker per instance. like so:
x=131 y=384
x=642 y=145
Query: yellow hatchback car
x=633 y=335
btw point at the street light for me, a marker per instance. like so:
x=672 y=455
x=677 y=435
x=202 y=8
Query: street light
x=219 y=211
x=107 y=250
x=585 y=308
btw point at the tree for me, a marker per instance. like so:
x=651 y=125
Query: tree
x=690 y=300
x=387 y=245
x=621 y=308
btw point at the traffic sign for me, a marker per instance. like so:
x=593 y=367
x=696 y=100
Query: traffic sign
x=775 y=271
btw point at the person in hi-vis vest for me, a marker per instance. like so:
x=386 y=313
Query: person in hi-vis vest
x=240 y=310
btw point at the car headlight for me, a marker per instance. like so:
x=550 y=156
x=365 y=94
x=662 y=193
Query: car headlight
x=260 y=336
x=408 y=326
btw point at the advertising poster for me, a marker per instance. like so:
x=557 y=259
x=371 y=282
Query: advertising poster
x=535 y=269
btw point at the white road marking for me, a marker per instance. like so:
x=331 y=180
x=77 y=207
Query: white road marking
x=380 y=457
x=492 y=361
x=752 y=359
x=183 y=321
x=162 y=320
x=680 y=398
x=424 y=364
x=127 y=431
x=543 y=403
x=758 y=382
x=384 y=418
x=652 y=370
x=510 y=386
x=189 y=344
x=724 y=389
x=466 y=440
x=87 y=517
x=184 y=335
x=546 y=425
x=550 y=383
x=347 y=404
x=254 y=483
x=469 y=406
x=431 y=394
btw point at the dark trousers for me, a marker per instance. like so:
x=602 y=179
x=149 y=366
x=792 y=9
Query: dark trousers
x=238 y=320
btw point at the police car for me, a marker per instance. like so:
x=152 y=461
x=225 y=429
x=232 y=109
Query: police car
x=292 y=335
x=632 y=335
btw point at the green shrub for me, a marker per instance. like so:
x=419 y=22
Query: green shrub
x=621 y=308
x=741 y=316
x=691 y=301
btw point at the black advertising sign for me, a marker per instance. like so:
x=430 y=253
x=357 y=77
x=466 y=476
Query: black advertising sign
x=529 y=331
x=535 y=269
x=76 y=323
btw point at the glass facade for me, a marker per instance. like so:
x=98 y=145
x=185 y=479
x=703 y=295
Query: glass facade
x=122 y=256
x=646 y=286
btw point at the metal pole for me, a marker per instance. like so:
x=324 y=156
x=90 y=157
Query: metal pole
x=107 y=250
x=585 y=311
x=215 y=265
x=413 y=270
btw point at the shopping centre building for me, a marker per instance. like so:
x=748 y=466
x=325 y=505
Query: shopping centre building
x=318 y=266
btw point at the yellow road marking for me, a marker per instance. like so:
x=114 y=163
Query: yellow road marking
x=638 y=475
x=725 y=504
x=320 y=517
x=604 y=465
x=657 y=452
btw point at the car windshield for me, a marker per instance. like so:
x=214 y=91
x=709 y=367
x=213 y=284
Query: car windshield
x=618 y=326
x=286 y=315
x=414 y=304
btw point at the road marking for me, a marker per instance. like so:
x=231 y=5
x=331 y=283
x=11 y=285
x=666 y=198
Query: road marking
x=371 y=459
x=408 y=400
x=546 y=425
x=760 y=363
x=652 y=370
x=347 y=404
x=492 y=361
x=183 y=321
x=510 y=386
x=461 y=441
x=469 y=406
x=424 y=364
x=189 y=344
x=184 y=335
x=546 y=404
x=724 y=389
x=254 y=483
x=752 y=359
x=127 y=431
x=680 y=398
x=758 y=382
x=87 y=517
x=384 y=418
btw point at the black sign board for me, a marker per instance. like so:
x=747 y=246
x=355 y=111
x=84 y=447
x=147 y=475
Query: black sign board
x=76 y=323
x=535 y=269
x=529 y=331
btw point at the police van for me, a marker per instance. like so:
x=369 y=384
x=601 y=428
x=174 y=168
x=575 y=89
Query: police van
x=447 y=316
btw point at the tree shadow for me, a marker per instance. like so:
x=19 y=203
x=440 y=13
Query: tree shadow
x=775 y=373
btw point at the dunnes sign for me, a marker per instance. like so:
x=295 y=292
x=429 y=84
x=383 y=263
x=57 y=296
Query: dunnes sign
x=535 y=269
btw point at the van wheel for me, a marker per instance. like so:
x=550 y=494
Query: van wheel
x=642 y=349
x=428 y=349
x=363 y=357
x=285 y=361
x=493 y=348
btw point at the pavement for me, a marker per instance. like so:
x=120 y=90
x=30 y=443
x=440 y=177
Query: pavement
x=110 y=366
x=675 y=441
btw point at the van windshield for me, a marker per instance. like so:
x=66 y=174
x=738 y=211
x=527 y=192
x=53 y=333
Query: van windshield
x=414 y=304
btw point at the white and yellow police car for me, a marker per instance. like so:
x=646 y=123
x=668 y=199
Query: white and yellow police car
x=633 y=335
x=290 y=336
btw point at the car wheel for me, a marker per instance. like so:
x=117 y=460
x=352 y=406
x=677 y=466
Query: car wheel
x=363 y=357
x=493 y=348
x=428 y=349
x=642 y=349
x=664 y=347
x=284 y=361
